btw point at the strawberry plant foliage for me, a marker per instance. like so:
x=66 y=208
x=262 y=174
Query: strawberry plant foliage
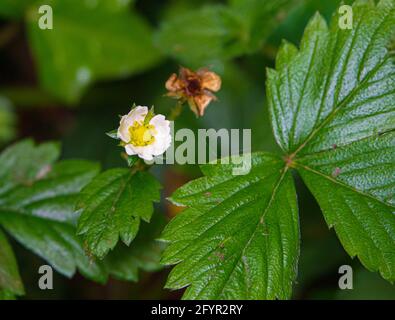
x=112 y=206
x=36 y=199
x=332 y=107
x=124 y=262
x=9 y=273
x=332 y=111
x=38 y=196
x=239 y=238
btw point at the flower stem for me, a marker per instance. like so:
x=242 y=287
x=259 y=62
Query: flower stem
x=176 y=111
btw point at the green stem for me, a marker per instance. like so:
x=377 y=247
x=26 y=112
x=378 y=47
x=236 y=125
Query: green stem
x=176 y=111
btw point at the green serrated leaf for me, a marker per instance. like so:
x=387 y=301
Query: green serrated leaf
x=355 y=188
x=53 y=197
x=37 y=208
x=24 y=163
x=113 y=205
x=144 y=253
x=37 y=203
x=239 y=236
x=55 y=242
x=332 y=110
x=10 y=280
x=339 y=87
x=99 y=50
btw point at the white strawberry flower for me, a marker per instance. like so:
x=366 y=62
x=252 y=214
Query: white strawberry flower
x=144 y=134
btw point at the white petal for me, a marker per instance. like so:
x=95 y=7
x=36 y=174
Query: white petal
x=161 y=144
x=136 y=114
x=130 y=150
x=144 y=152
x=146 y=156
x=161 y=124
x=162 y=136
x=123 y=130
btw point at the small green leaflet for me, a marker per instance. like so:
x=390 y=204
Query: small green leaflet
x=113 y=205
x=332 y=110
x=333 y=114
x=239 y=236
x=355 y=187
x=10 y=279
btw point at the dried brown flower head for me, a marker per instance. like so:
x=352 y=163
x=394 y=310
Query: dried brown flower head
x=194 y=87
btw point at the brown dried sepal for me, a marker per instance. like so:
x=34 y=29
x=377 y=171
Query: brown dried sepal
x=196 y=88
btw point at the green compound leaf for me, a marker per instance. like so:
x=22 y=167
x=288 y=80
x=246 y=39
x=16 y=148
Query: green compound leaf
x=239 y=236
x=84 y=47
x=332 y=110
x=38 y=197
x=10 y=280
x=37 y=200
x=113 y=205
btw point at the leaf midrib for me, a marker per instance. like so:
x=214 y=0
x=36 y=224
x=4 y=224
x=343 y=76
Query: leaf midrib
x=351 y=94
x=278 y=183
x=116 y=199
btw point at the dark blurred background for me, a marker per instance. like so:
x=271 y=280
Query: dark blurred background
x=71 y=83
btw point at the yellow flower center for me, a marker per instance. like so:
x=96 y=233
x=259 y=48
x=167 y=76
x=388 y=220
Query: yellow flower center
x=141 y=134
